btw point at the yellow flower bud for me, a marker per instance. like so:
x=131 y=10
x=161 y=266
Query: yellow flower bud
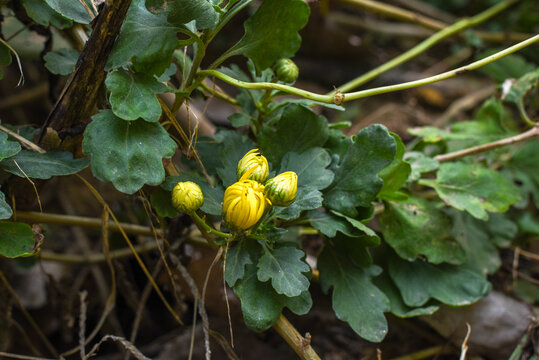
x=282 y=189
x=254 y=159
x=244 y=204
x=187 y=197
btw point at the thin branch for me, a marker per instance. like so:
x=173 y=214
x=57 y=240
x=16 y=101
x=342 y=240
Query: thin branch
x=339 y=98
x=24 y=142
x=443 y=33
x=426 y=353
x=301 y=345
x=397 y=13
x=426 y=22
x=47 y=218
x=533 y=132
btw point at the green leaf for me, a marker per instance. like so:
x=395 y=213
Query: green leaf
x=369 y=234
x=395 y=175
x=493 y=122
x=43 y=166
x=473 y=188
x=147 y=38
x=520 y=88
x=420 y=281
x=297 y=130
x=329 y=224
x=5 y=58
x=310 y=166
x=306 y=199
x=355 y=298
x=285 y=267
x=16 y=239
x=161 y=201
x=397 y=305
x=133 y=95
x=239 y=119
x=523 y=168
x=213 y=196
x=43 y=14
x=61 y=62
x=416 y=228
x=8 y=148
x=127 y=153
x=356 y=181
x=261 y=305
x=272 y=32
x=482 y=254
x=232 y=147
x=5 y=209
x=73 y=10
x=183 y=11
x=420 y=163
x=238 y=257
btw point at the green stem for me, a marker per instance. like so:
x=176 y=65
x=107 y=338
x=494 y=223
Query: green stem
x=339 y=98
x=206 y=227
x=426 y=44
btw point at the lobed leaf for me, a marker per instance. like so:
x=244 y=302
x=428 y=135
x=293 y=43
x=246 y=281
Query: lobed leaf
x=356 y=180
x=133 y=95
x=297 y=130
x=129 y=154
x=310 y=166
x=285 y=267
x=61 y=62
x=416 y=228
x=473 y=188
x=261 y=305
x=272 y=32
x=420 y=281
x=43 y=14
x=17 y=239
x=146 y=38
x=73 y=10
x=183 y=11
x=355 y=298
x=5 y=210
x=395 y=175
x=43 y=166
x=8 y=148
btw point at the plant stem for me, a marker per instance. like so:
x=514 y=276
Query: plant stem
x=206 y=227
x=219 y=94
x=37 y=217
x=423 y=354
x=428 y=23
x=338 y=98
x=533 y=132
x=424 y=45
x=301 y=345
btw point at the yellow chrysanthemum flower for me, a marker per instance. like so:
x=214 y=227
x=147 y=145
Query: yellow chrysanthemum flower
x=282 y=189
x=244 y=204
x=254 y=159
x=187 y=197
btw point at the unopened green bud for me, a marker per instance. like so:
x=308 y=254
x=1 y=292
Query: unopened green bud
x=187 y=197
x=286 y=71
x=256 y=163
x=282 y=189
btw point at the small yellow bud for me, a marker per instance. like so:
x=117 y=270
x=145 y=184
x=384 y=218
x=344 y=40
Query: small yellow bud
x=244 y=204
x=254 y=159
x=282 y=189
x=187 y=197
